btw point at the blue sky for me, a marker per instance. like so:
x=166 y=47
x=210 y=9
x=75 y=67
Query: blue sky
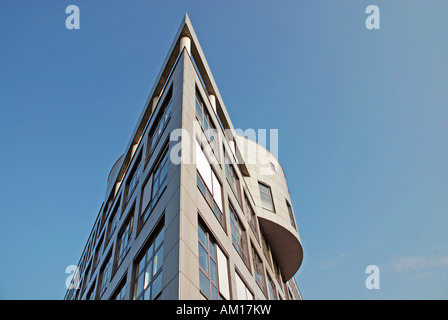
x=362 y=118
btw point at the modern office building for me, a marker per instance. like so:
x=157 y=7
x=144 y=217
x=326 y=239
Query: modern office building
x=192 y=210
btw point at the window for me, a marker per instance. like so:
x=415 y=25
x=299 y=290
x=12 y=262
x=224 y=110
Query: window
x=124 y=238
x=271 y=289
x=250 y=216
x=232 y=178
x=278 y=275
x=159 y=124
x=155 y=185
x=113 y=220
x=208 y=184
x=266 y=248
x=97 y=253
x=291 y=215
x=213 y=267
x=89 y=295
x=238 y=235
x=85 y=279
x=206 y=123
x=148 y=272
x=266 y=197
x=133 y=179
x=105 y=274
x=120 y=292
x=242 y=292
x=258 y=270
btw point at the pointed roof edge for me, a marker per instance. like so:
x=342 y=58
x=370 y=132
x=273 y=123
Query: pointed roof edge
x=185 y=29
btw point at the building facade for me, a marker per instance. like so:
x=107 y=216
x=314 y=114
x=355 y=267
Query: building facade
x=192 y=210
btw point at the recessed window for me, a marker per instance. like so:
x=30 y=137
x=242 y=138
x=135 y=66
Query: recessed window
x=238 y=235
x=120 y=292
x=155 y=185
x=213 y=267
x=266 y=248
x=125 y=238
x=105 y=274
x=250 y=216
x=96 y=259
x=242 y=291
x=148 y=269
x=206 y=123
x=266 y=197
x=90 y=293
x=159 y=125
x=258 y=270
x=208 y=183
x=113 y=221
x=271 y=289
x=278 y=275
x=133 y=178
x=232 y=178
x=291 y=215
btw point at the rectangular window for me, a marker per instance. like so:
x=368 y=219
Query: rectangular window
x=291 y=215
x=120 y=292
x=213 y=274
x=258 y=270
x=159 y=125
x=105 y=274
x=250 y=216
x=266 y=197
x=90 y=295
x=206 y=123
x=96 y=259
x=242 y=292
x=113 y=220
x=85 y=279
x=155 y=185
x=232 y=178
x=133 y=178
x=266 y=249
x=125 y=237
x=238 y=235
x=278 y=275
x=271 y=289
x=148 y=269
x=209 y=184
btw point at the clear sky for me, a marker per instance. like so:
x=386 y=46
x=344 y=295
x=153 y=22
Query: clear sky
x=362 y=118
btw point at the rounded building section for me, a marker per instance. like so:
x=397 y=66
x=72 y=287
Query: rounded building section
x=267 y=184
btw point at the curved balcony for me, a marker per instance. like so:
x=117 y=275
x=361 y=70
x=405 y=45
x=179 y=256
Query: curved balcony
x=282 y=236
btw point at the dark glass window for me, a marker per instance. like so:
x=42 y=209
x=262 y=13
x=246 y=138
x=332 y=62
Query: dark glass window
x=148 y=270
x=208 y=270
x=238 y=234
x=266 y=197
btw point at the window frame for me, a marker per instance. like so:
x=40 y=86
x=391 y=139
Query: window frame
x=260 y=183
x=134 y=176
x=150 y=244
x=234 y=179
x=258 y=262
x=162 y=160
x=209 y=195
x=291 y=214
x=163 y=114
x=128 y=224
x=236 y=224
x=210 y=239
